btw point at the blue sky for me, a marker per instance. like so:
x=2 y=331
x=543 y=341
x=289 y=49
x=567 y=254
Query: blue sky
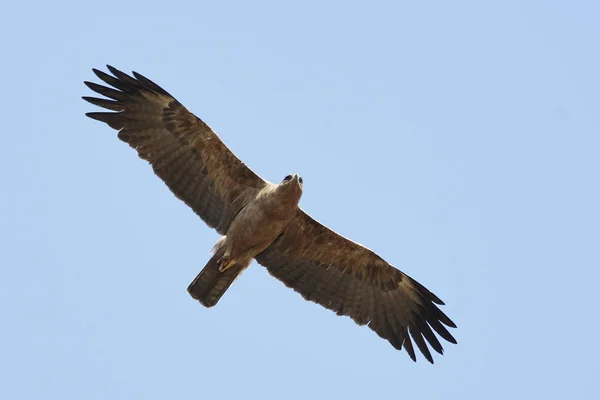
x=458 y=139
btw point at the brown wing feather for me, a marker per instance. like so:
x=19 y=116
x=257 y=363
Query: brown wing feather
x=351 y=280
x=183 y=151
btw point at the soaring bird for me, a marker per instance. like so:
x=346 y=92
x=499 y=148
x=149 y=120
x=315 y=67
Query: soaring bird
x=261 y=220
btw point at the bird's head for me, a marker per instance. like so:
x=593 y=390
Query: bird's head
x=294 y=179
x=292 y=184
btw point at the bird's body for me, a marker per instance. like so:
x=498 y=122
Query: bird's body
x=261 y=220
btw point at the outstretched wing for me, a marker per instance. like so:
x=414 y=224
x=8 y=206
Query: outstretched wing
x=351 y=280
x=183 y=151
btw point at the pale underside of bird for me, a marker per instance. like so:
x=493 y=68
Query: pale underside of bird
x=261 y=220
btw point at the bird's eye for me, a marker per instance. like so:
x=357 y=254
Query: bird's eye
x=300 y=180
x=287 y=178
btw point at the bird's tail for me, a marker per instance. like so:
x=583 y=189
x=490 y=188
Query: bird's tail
x=211 y=284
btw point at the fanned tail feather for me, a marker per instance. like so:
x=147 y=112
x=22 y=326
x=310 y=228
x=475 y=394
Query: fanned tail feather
x=211 y=284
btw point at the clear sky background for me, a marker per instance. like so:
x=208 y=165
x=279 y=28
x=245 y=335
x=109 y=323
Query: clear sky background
x=460 y=140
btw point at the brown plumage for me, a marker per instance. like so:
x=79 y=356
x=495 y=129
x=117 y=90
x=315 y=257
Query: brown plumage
x=260 y=220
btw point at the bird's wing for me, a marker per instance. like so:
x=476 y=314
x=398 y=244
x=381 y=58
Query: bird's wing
x=183 y=151
x=351 y=280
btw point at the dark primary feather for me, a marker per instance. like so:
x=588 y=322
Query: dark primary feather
x=183 y=151
x=351 y=280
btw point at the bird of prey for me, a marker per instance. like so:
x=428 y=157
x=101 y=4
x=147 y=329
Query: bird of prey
x=261 y=220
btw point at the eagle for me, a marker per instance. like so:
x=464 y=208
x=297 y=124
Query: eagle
x=261 y=220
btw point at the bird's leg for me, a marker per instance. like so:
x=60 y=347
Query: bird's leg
x=225 y=263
